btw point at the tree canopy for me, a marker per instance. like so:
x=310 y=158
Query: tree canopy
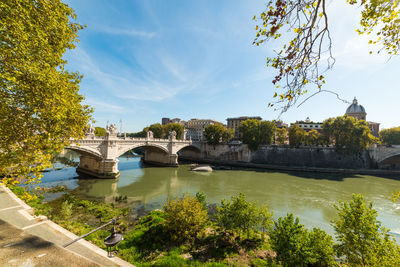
x=40 y=108
x=348 y=134
x=255 y=132
x=390 y=136
x=306 y=52
x=216 y=133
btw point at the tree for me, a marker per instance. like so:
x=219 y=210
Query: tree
x=99 y=131
x=304 y=27
x=227 y=135
x=178 y=128
x=40 y=108
x=255 y=132
x=295 y=246
x=186 y=218
x=296 y=136
x=349 y=134
x=266 y=132
x=249 y=130
x=213 y=134
x=361 y=238
x=157 y=130
x=281 y=135
x=390 y=136
x=312 y=138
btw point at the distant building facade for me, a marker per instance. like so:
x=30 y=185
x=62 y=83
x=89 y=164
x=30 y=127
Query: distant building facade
x=280 y=124
x=309 y=125
x=165 y=121
x=234 y=123
x=195 y=128
x=358 y=111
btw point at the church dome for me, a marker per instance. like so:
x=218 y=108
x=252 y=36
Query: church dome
x=355 y=108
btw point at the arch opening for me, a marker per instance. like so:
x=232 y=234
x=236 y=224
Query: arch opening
x=390 y=163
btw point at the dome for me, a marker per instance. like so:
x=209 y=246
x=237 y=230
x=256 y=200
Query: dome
x=355 y=108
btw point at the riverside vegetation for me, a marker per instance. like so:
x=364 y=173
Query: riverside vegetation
x=190 y=232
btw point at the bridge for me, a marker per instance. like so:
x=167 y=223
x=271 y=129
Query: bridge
x=99 y=155
x=385 y=156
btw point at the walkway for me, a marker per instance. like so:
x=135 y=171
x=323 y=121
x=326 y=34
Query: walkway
x=26 y=240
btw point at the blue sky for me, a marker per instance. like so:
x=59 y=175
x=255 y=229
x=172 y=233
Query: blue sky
x=144 y=60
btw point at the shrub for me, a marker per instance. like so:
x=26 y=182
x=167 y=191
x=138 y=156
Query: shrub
x=185 y=218
x=238 y=214
x=295 y=246
x=361 y=238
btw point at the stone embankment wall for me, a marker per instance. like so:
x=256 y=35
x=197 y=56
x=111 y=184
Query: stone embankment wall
x=318 y=157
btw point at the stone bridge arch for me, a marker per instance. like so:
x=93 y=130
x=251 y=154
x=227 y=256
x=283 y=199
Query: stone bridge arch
x=86 y=151
x=124 y=149
x=386 y=156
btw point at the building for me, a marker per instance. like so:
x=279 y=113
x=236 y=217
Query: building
x=358 y=111
x=308 y=125
x=234 y=123
x=195 y=128
x=165 y=121
x=280 y=124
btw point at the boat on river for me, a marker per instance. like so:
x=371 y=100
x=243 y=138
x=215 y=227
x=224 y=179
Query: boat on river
x=198 y=168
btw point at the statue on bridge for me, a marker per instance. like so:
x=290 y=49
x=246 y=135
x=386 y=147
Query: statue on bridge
x=172 y=135
x=150 y=135
x=111 y=130
x=89 y=131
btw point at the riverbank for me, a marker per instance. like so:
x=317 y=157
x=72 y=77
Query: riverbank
x=19 y=215
x=250 y=165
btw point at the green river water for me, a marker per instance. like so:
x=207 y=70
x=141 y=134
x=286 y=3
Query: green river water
x=309 y=196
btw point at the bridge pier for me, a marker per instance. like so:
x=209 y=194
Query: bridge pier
x=99 y=168
x=159 y=158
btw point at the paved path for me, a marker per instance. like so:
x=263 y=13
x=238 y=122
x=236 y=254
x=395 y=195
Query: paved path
x=43 y=238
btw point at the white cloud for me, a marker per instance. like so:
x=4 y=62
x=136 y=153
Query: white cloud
x=104 y=106
x=127 y=32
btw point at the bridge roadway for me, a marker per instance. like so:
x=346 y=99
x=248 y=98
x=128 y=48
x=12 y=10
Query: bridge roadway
x=99 y=156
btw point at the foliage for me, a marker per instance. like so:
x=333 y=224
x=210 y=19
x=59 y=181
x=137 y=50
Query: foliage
x=241 y=215
x=303 y=27
x=361 y=238
x=185 y=218
x=201 y=198
x=215 y=133
x=390 y=136
x=296 y=136
x=66 y=210
x=295 y=246
x=281 y=135
x=157 y=130
x=349 y=134
x=178 y=128
x=265 y=218
x=266 y=132
x=312 y=138
x=99 y=131
x=255 y=132
x=40 y=108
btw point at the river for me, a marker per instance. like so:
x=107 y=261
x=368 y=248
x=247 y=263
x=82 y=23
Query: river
x=309 y=196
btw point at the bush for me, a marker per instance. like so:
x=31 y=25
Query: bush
x=361 y=238
x=238 y=214
x=295 y=246
x=185 y=218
